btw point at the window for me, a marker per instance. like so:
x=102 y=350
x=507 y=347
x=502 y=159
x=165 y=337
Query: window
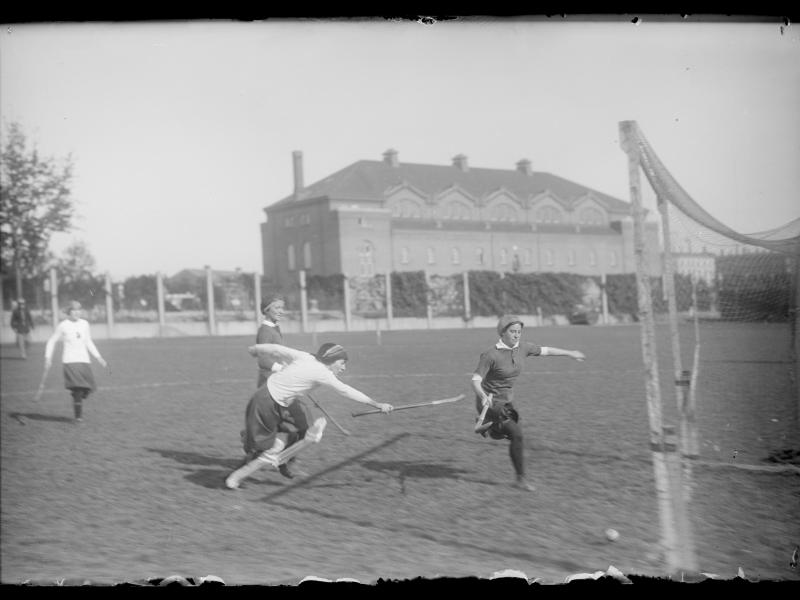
x=592 y=258
x=548 y=257
x=503 y=256
x=366 y=264
x=404 y=255
x=548 y=214
x=571 y=257
x=528 y=256
x=503 y=212
x=290 y=256
x=431 y=256
x=307 y=255
x=456 y=210
x=455 y=256
x=590 y=216
x=406 y=209
x=479 y=256
x=613 y=259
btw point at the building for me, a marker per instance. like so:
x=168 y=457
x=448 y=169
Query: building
x=376 y=216
x=700 y=265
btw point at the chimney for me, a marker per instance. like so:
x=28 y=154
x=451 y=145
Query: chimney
x=524 y=167
x=297 y=158
x=460 y=162
x=390 y=157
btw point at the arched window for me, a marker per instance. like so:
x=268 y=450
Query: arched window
x=503 y=212
x=571 y=257
x=548 y=257
x=590 y=216
x=406 y=209
x=613 y=259
x=431 y=256
x=456 y=210
x=455 y=256
x=404 y=255
x=307 y=255
x=528 y=256
x=592 y=258
x=479 y=256
x=290 y=256
x=366 y=265
x=548 y=214
x=503 y=256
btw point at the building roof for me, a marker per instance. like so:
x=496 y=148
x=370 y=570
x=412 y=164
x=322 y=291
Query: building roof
x=369 y=180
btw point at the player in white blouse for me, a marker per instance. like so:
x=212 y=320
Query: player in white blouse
x=75 y=334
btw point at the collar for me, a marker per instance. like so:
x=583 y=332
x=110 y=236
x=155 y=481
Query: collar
x=270 y=323
x=500 y=345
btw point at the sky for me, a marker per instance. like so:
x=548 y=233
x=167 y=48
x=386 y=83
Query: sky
x=181 y=133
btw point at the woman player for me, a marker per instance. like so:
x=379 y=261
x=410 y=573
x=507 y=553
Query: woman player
x=269 y=332
x=497 y=370
x=272 y=419
x=78 y=344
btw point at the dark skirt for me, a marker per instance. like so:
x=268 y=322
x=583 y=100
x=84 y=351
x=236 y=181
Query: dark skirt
x=265 y=418
x=78 y=376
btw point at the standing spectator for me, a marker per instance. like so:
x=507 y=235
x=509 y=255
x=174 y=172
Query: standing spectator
x=22 y=324
x=269 y=332
x=78 y=377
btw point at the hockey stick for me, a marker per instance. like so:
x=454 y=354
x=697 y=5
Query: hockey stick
x=325 y=412
x=40 y=391
x=407 y=406
x=479 y=425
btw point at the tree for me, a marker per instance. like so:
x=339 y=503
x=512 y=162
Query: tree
x=76 y=275
x=34 y=203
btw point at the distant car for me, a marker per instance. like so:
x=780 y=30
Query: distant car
x=583 y=316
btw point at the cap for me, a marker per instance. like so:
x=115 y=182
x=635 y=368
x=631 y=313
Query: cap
x=329 y=353
x=507 y=321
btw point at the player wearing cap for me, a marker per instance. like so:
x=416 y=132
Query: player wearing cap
x=78 y=377
x=270 y=424
x=493 y=381
x=269 y=332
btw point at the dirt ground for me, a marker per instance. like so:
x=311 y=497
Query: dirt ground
x=136 y=491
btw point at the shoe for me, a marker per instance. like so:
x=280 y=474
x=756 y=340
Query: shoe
x=524 y=484
x=78 y=420
x=232 y=482
x=289 y=471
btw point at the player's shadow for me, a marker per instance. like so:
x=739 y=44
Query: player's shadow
x=40 y=417
x=213 y=478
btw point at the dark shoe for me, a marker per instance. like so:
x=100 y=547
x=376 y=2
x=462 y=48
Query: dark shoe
x=289 y=471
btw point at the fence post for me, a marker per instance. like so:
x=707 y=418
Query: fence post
x=467 y=305
x=428 y=308
x=160 y=302
x=604 y=298
x=109 y=304
x=54 y=296
x=389 y=307
x=346 y=290
x=257 y=296
x=212 y=321
x=303 y=301
x=539 y=316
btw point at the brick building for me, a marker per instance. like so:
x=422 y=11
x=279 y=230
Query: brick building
x=376 y=216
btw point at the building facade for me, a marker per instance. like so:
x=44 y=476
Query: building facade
x=380 y=216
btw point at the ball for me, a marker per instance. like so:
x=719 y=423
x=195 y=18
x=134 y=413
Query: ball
x=612 y=535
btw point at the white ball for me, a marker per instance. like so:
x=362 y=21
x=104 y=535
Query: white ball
x=612 y=534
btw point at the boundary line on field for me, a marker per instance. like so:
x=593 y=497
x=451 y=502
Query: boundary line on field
x=135 y=386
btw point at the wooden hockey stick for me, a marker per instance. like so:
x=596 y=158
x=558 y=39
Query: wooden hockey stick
x=325 y=412
x=479 y=425
x=407 y=406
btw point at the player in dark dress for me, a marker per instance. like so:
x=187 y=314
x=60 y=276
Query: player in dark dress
x=494 y=377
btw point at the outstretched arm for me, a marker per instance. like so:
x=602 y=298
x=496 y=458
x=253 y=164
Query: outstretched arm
x=551 y=351
x=50 y=347
x=276 y=352
x=353 y=394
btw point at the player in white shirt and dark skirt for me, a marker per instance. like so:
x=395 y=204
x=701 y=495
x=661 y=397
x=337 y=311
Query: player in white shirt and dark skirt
x=272 y=421
x=78 y=345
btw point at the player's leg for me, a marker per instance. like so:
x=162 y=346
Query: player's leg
x=297 y=422
x=21 y=345
x=261 y=436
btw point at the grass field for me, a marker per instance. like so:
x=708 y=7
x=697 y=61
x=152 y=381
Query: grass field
x=136 y=490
